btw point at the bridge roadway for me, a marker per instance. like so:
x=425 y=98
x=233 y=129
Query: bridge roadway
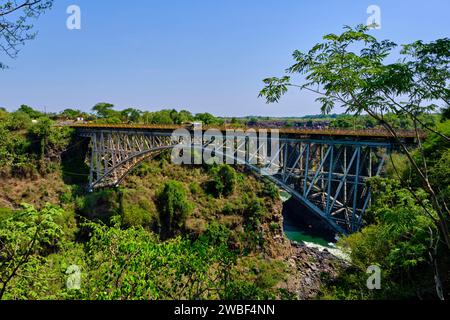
x=326 y=170
x=371 y=134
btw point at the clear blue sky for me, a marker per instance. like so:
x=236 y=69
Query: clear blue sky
x=202 y=55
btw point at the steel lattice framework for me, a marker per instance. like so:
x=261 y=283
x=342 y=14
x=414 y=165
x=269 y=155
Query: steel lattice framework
x=328 y=175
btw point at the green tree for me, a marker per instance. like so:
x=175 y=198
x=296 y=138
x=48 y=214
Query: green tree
x=23 y=237
x=400 y=241
x=224 y=178
x=71 y=114
x=33 y=114
x=161 y=117
x=18 y=120
x=104 y=110
x=208 y=119
x=131 y=115
x=445 y=114
x=183 y=116
x=42 y=130
x=174 y=207
x=132 y=264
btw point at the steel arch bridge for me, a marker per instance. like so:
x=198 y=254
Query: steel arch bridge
x=326 y=173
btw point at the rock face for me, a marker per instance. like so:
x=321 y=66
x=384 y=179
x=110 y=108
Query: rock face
x=313 y=267
x=307 y=268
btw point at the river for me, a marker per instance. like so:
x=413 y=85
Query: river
x=303 y=227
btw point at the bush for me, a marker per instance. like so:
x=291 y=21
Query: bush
x=229 y=208
x=195 y=188
x=65 y=197
x=270 y=190
x=398 y=242
x=18 y=121
x=137 y=209
x=224 y=180
x=6 y=213
x=254 y=213
x=145 y=169
x=135 y=216
x=274 y=226
x=216 y=234
x=174 y=207
x=102 y=205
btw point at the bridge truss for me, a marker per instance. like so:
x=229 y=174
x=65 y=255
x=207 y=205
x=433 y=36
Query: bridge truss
x=329 y=176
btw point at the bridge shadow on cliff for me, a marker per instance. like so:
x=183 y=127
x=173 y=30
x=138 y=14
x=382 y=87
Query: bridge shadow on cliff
x=75 y=170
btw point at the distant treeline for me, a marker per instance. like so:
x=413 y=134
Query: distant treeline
x=107 y=113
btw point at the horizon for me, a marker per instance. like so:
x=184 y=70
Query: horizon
x=195 y=56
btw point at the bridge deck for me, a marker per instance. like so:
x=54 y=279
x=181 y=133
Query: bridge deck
x=294 y=132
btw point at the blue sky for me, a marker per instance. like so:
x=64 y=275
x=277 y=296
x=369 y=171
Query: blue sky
x=200 y=55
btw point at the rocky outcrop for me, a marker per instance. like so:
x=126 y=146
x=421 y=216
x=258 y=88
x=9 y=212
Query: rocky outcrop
x=313 y=268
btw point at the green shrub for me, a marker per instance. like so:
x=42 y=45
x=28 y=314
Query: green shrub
x=216 y=234
x=274 y=226
x=135 y=216
x=18 y=121
x=102 y=205
x=398 y=242
x=270 y=190
x=224 y=180
x=137 y=209
x=195 y=188
x=174 y=207
x=6 y=213
x=254 y=213
x=229 y=208
x=65 y=197
x=145 y=169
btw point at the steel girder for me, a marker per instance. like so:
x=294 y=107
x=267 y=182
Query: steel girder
x=328 y=176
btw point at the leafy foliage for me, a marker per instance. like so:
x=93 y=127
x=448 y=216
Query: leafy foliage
x=224 y=179
x=15 y=29
x=399 y=242
x=174 y=207
x=25 y=236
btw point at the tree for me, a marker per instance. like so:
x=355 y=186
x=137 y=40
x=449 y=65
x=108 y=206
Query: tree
x=18 y=120
x=22 y=237
x=71 y=114
x=224 y=178
x=133 y=264
x=103 y=109
x=208 y=119
x=174 y=207
x=42 y=130
x=363 y=81
x=401 y=241
x=30 y=111
x=183 y=116
x=445 y=114
x=15 y=29
x=161 y=117
x=131 y=115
